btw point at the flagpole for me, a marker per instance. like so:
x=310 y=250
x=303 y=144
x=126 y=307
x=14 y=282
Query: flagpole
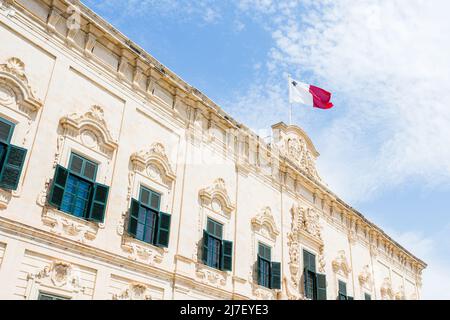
x=290 y=104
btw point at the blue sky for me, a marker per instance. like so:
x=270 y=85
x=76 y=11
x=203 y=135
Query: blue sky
x=385 y=147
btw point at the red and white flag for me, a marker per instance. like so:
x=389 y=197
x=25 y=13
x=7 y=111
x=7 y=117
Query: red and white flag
x=309 y=95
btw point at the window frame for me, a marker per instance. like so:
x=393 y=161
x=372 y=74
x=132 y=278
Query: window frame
x=11 y=131
x=148 y=210
x=264 y=260
x=217 y=240
x=81 y=177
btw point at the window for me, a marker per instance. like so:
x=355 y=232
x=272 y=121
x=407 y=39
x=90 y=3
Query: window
x=46 y=296
x=367 y=296
x=269 y=273
x=315 y=283
x=264 y=258
x=217 y=253
x=75 y=191
x=12 y=158
x=342 y=293
x=147 y=223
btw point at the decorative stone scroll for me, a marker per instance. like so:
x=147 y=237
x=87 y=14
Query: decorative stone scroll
x=135 y=291
x=264 y=223
x=216 y=197
x=340 y=264
x=15 y=90
x=142 y=252
x=63 y=224
x=210 y=276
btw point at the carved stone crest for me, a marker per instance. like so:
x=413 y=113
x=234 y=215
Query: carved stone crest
x=340 y=264
x=135 y=291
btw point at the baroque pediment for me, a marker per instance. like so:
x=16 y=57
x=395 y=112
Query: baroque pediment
x=294 y=144
x=155 y=161
x=91 y=128
x=216 y=195
x=265 y=223
x=14 y=87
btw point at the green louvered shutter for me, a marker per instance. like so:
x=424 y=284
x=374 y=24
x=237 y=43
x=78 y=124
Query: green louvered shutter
x=12 y=167
x=307 y=284
x=163 y=231
x=258 y=269
x=367 y=296
x=275 y=275
x=58 y=186
x=350 y=298
x=98 y=203
x=342 y=291
x=321 y=285
x=134 y=216
x=227 y=255
x=205 y=247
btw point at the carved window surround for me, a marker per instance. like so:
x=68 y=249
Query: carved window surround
x=21 y=107
x=305 y=233
x=88 y=134
x=215 y=203
x=265 y=231
x=152 y=169
x=59 y=278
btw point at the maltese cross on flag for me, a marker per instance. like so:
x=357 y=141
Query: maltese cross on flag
x=309 y=95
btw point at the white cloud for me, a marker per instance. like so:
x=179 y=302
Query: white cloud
x=387 y=63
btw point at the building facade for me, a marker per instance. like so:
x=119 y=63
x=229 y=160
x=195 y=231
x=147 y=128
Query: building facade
x=118 y=180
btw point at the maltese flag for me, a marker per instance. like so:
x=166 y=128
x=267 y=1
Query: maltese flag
x=309 y=95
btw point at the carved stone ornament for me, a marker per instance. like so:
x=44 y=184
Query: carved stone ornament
x=58 y=274
x=217 y=197
x=306 y=221
x=142 y=252
x=264 y=223
x=400 y=295
x=294 y=144
x=262 y=293
x=305 y=225
x=386 y=290
x=91 y=130
x=365 y=278
x=155 y=161
x=210 y=276
x=135 y=291
x=5 y=197
x=14 y=87
x=63 y=224
x=340 y=264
